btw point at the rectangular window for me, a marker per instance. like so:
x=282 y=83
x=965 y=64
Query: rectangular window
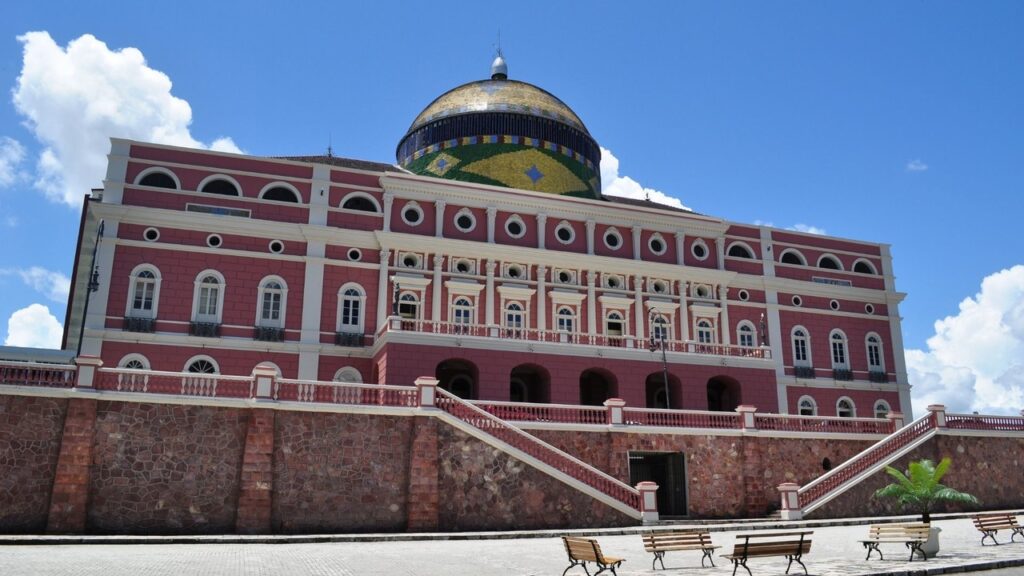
x=271 y=306
x=143 y=300
x=838 y=354
x=800 y=350
x=208 y=302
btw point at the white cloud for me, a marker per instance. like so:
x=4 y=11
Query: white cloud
x=34 y=327
x=53 y=285
x=614 y=185
x=975 y=360
x=75 y=99
x=916 y=166
x=11 y=155
x=796 y=227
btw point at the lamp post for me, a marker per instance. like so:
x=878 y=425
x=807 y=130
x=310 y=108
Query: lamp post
x=654 y=344
x=92 y=286
x=394 y=299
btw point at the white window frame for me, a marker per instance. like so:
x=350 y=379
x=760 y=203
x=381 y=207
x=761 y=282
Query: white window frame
x=462 y=310
x=468 y=213
x=744 y=245
x=808 y=399
x=853 y=407
x=568 y=226
x=410 y=298
x=350 y=195
x=218 y=317
x=837 y=260
x=616 y=316
x=212 y=177
x=664 y=245
x=348 y=375
x=844 y=362
x=286 y=186
x=129 y=310
x=561 y=319
x=522 y=226
x=666 y=323
x=161 y=170
x=702 y=243
x=706 y=334
x=197 y=358
x=868 y=263
x=881 y=403
x=520 y=312
x=806 y=338
x=128 y=358
x=612 y=231
x=868 y=344
x=263 y=292
x=799 y=255
x=749 y=331
x=360 y=299
x=415 y=207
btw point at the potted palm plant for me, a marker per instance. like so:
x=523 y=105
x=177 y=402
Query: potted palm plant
x=919 y=489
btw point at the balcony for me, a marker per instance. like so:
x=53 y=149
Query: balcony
x=804 y=371
x=350 y=339
x=205 y=329
x=878 y=377
x=132 y=324
x=268 y=334
x=459 y=329
x=842 y=374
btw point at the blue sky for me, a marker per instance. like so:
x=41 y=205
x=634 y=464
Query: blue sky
x=895 y=122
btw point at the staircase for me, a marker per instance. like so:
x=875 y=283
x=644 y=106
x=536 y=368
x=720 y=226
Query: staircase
x=543 y=456
x=850 y=473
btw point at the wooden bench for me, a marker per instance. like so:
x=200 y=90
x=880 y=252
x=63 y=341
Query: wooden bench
x=583 y=550
x=990 y=524
x=912 y=535
x=658 y=543
x=792 y=545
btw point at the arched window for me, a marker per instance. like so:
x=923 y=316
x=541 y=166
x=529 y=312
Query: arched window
x=740 y=250
x=807 y=407
x=801 y=347
x=874 y=348
x=881 y=409
x=829 y=262
x=280 y=193
x=349 y=375
x=409 y=306
x=134 y=362
x=360 y=201
x=864 y=266
x=840 y=359
x=158 y=178
x=208 y=298
x=515 y=320
x=791 y=256
x=566 y=319
x=462 y=311
x=145 y=292
x=273 y=294
x=614 y=325
x=705 y=332
x=220 y=184
x=845 y=408
x=202 y=365
x=659 y=328
x=745 y=334
x=351 y=301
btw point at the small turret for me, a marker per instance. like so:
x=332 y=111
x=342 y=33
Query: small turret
x=499 y=69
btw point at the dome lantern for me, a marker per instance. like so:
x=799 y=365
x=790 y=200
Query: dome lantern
x=499 y=69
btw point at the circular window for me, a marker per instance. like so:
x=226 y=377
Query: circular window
x=797 y=301
x=612 y=239
x=355 y=255
x=614 y=282
x=214 y=241
x=870 y=309
x=744 y=295
x=463 y=267
x=834 y=304
x=565 y=233
x=412 y=214
x=515 y=227
x=699 y=250
x=515 y=272
x=464 y=221
x=564 y=277
x=659 y=287
x=276 y=246
x=656 y=244
x=410 y=261
x=702 y=291
x=151 y=235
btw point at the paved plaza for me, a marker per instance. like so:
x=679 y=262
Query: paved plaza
x=836 y=551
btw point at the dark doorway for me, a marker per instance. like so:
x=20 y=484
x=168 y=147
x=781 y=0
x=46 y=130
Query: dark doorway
x=658 y=395
x=596 y=386
x=529 y=383
x=458 y=377
x=668 y=471
x=723 y=394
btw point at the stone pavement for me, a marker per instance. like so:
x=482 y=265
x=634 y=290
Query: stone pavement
x=836 y=551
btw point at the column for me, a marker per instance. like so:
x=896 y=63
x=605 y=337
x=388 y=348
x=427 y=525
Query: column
x=492 y=215
x=892 y=301
x=680 y=248
x=723 y=298
x=542 y=289
x=389 y=200
x=319 y=195
x=772 y=317
x=590 y=236
x=542 y=220
x=312 y=304
x=684 y=312
x=636 y=242
x=70 y=492
x=591 y=302
x=439 y=218
x=638 y=309
x=489 y=313
x=766 y=252
x=720 y=251
x=382 y=290
x=790 y=493
x=255 y=496
x=435 y=286
x=98 y=301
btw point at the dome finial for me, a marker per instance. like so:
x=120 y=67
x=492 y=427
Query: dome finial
x=499 y=69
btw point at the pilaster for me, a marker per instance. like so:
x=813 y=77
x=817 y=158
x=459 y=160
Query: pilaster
x=256 y=486
x=70 y=493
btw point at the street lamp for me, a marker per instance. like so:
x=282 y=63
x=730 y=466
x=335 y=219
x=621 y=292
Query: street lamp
x=658 y=340
x=394 y=299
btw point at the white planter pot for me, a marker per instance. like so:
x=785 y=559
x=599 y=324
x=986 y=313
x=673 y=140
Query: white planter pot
x=931 y=546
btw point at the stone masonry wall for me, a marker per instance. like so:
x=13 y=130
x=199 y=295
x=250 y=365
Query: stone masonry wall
x=30 y=432
x=165 y=469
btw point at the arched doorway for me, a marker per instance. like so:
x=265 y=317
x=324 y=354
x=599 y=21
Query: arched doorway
x=458 y=377
x=596 y=386
x=529 y=383
x=658 y=395
x=723 y=394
